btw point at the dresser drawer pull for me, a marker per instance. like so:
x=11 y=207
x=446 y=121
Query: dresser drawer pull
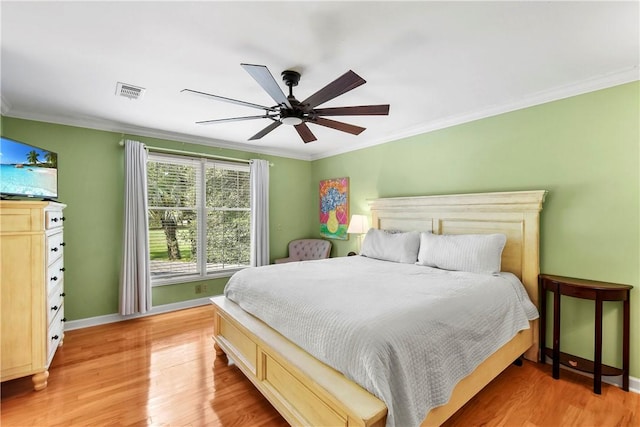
x=63 y=244
x=54 y=219
x=63 y=294
x=62 y=269
x=54 y=249
x=63 y=218
x=55 y=337
x=54 y=278
x=54 y=308
x=64 y=319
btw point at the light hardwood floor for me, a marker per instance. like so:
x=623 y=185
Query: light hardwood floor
x=160 y=371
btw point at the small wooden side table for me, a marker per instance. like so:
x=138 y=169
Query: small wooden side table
x=598 y=292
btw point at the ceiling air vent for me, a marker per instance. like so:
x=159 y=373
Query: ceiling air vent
x=129 y=91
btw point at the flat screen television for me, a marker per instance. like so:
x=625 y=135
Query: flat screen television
x=27 y=170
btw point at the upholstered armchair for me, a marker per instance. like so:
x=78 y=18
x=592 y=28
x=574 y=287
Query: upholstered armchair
x=307 y=249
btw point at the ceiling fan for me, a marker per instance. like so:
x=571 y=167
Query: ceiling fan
x=290 y=111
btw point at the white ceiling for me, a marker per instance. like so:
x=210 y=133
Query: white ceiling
x=435 y=63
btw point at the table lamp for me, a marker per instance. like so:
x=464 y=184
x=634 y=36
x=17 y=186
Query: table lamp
x=359 y=225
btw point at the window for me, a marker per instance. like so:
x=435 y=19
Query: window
x=199 y=218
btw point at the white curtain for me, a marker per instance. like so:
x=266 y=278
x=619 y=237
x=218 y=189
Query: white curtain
x=135 y=278
x=259 y=172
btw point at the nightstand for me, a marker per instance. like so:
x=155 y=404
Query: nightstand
x=591 y=290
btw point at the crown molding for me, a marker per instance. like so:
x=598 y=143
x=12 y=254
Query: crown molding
x=593 y=84
x=604 y=81
x=107 y=126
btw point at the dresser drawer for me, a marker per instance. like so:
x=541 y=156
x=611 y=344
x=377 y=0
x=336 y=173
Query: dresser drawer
x=55 y=302
x=55 y=334
x=53 y=219
x=55 y=274
x=55 y=247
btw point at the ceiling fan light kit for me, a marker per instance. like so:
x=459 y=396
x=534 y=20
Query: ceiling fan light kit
x=289 y=111
x=291 y=121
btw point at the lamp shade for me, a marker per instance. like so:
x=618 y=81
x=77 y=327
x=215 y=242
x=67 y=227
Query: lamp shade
x=359 y=224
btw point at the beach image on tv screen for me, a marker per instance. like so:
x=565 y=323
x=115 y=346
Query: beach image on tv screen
x=27 y=170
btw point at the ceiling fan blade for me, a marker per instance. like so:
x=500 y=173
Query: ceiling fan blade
x=344 y=127
x=232 y=119
x=342 y=84
x=266 y=130
x=232 y=101
x=265 y=79
x=305 y=133
x=363 y=110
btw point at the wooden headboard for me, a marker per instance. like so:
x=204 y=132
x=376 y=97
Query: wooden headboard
x=515 y=214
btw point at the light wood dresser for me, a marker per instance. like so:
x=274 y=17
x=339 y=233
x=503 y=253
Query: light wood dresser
x=32 y=288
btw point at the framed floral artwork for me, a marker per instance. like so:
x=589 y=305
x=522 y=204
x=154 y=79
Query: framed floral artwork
x=334 y=208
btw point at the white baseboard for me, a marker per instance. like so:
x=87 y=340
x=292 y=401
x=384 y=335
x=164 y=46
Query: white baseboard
x=112 y=318
x=634 y=383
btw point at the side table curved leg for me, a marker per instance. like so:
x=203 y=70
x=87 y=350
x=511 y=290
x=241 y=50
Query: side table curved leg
x=597 y=357
x=556 y=333
x=626 y=322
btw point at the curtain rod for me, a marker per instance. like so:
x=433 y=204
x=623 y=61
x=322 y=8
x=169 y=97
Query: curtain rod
x=191 y=153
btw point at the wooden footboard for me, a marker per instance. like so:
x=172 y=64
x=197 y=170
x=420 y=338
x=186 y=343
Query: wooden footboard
x=308 y=392
x=304 y=390
x=481 y=376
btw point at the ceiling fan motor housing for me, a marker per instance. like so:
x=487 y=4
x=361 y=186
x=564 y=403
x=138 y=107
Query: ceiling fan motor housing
x=292 y=116
x=290 y=77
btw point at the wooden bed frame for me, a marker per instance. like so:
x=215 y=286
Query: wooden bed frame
x=307 y=392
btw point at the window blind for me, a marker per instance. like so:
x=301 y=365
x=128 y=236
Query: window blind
x=199 y=217
x=228 y=216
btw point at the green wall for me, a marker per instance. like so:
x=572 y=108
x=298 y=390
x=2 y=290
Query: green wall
x=91 y=183
x=584 y=150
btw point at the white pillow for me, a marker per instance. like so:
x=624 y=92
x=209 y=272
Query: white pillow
x=396 y=247
x=475 y=253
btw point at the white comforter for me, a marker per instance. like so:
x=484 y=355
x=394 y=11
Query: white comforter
x=406 y=333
